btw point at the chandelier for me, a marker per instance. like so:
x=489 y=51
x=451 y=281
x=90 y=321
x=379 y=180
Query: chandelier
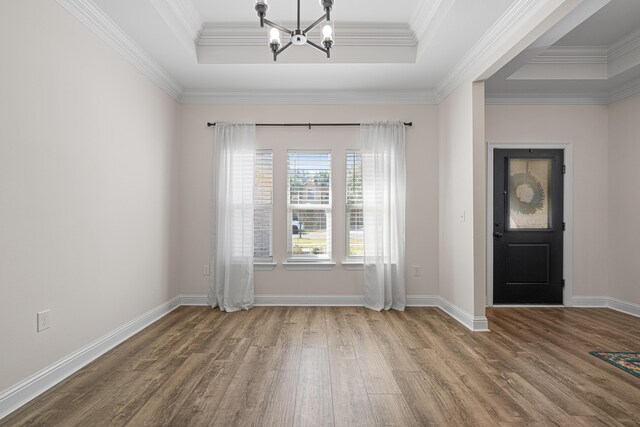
x=298 y=36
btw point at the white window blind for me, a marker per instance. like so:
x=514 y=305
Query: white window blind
x=263 y=206
x=354 y=220
x=309 y=205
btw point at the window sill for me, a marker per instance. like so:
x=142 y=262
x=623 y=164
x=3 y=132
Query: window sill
x=308 y=265
x=264 y=266
x=349 y=264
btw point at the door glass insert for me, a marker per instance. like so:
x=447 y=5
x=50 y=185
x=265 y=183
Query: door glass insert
x=529 y=196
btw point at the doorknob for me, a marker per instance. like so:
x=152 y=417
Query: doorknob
x=496 y=234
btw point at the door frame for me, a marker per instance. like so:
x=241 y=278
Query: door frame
x=567 y=254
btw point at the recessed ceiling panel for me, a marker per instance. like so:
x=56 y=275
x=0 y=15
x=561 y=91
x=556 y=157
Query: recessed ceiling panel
x=310 y=10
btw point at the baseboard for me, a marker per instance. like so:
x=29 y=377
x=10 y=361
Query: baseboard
x=474 y=323
x=28 y=389
x=624 y=306
x=607 y=302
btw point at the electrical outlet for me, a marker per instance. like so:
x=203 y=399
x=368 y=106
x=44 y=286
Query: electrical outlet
x=44 y=320
x=205 y=270
x=416 y=271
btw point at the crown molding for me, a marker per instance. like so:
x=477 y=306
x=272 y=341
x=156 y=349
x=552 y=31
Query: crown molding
x=97 y=21
x=183 y=19
x=309 y=97
x=621 y=92
x=546 y=99
x=572 y=55
x=350 y=33
x=625 y=90
x=423 y=16
x=517 y=14
x=624 y=46
x=189 y=15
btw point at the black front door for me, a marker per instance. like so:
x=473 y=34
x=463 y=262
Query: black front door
x=528 y=226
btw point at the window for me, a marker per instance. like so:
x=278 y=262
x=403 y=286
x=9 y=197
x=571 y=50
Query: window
x=354 y=221
x=309 y=205
x=263 y=206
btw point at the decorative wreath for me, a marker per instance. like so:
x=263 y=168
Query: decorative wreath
x=525 y=193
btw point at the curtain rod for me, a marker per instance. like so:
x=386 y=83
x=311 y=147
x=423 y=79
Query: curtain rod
x=309 y=125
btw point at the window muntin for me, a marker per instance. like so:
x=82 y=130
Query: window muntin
x=263 y=207
x=309 y=205
x=354 y=222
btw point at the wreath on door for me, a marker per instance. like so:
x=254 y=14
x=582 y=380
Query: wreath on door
x=526 y=195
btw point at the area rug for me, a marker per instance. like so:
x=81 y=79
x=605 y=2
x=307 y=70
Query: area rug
x=628 y=361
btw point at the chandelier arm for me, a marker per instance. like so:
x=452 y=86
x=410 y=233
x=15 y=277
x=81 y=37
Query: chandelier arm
x=315 y=24
x=278 y=26
x=321 y=49
x=282 y=49
x=298 y=15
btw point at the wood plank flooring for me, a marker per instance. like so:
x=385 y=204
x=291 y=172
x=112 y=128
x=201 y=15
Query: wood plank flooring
x=327 y=366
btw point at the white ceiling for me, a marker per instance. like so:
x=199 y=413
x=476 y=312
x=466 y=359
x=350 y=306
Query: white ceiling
x=596 y=61
x=611 y=23
x=443 y=31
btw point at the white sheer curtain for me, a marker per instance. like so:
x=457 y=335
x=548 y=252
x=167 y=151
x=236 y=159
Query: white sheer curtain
x=231 y=282
x=383 y=191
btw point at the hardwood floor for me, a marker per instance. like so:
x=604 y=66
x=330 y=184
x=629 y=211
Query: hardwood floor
x=326 y=366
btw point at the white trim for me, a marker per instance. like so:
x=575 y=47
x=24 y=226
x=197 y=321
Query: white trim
x=551 y=99
x=97 y=21
x=183 y=19
x=624 y=306
x=376 y=34
x=607 y=302
x=474 y=323
x=625 y=90
x=624 y=46
x=308 y=265
x=423 y=15
x=567 y=255
x=571 y=55
x=308 y=97
x=517 y=14
x=188 y=15
x=36 y=384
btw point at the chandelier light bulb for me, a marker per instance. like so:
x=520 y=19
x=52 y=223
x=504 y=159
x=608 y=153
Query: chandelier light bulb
x=327 y=31
x=274 y=36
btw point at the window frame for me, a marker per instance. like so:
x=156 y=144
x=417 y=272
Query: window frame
x=327 y=207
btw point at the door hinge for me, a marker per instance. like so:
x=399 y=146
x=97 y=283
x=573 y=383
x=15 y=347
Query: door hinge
x=563 y=283
x=564 y=226
x=564 y=169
